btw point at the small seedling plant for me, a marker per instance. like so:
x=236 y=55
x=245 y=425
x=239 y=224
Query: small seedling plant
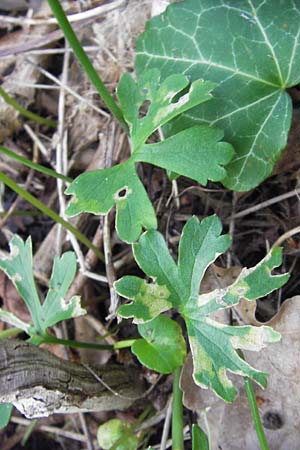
x=212 y=77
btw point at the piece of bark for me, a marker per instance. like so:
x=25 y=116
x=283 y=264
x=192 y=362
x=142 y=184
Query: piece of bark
x=39 y=384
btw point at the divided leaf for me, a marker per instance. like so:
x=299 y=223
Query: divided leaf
x=213 y=344
x=97 y=191
x=55 y=307
x=196 y=153
x=167 y=98
x=163 y=348
x=18 y=267
x=251 y=49
x=150 y=299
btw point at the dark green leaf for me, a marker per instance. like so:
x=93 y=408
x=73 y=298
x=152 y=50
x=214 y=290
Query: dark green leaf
x=251 y=50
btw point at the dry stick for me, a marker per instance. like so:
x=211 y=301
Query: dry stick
x=50 y=429
x=40 y=42
x=87 y=434
x=61 y=149
x=263 y=205
x=285 y=236
x=69 y=90
x=77 y=17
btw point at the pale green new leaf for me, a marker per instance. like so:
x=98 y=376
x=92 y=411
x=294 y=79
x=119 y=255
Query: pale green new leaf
x=168 y=99
x=13 y=320
x=163 y=348
x=18 y=267
x=251 y=49
x=55 y=307
x=98 y=191
x=213 y=344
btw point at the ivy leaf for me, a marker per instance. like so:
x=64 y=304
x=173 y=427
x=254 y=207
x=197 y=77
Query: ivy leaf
x=196 y=153
x=251 y=49
x=18 y=267
x=163 y=348
x=214 y=345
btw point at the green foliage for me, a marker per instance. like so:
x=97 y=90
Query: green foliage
x=199 y=439
x=5 y=413
x=163 y=348
x=196 y=152
x=214 y=345
x=251 y=50
x=18 y=267
x=117 y=434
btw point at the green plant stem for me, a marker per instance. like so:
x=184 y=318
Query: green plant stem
x=50 y=213
x=177 y=413
x=32 y=165
x=85 y=62
x=75 y=344
x=255 y=414
x=124 y=344
x=30 y=115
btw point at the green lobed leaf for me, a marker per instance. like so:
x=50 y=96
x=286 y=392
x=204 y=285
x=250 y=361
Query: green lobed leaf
x=13 y=320
x=200 y=245
x=195 y=153
x=213 y=344
x=152 y=255
x=55 y=307
x=150 y=299
x=18 y=267
x=163 y=348
x=98 y=191
x=251 y=50
x=168 y=99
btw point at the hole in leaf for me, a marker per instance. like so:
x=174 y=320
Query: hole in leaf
x=181 y=93
x=144 y=108
x=122 y=193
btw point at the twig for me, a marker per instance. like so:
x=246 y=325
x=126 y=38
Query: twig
x=263 y=205
x=286 y=236
x=167 y=424
x=77 y=17
x=68 y=89
x=48 y=429
x=87 y=434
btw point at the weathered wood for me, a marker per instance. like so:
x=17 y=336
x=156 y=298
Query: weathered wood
x=39 y=384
